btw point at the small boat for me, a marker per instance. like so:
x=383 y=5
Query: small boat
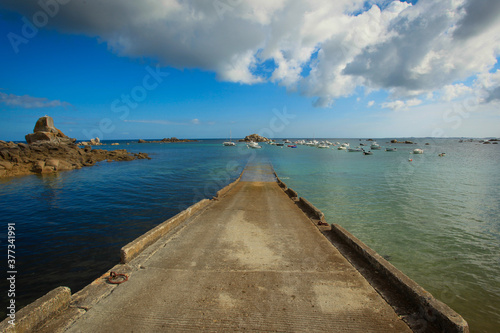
x=418 y=151
x=375 y=146
x=253 y=145
x=367 y=153
x=390 y=149
x=280 y=144
x=442 y=155
x=355 y=150
x=322 y=145
x=229 y=143
x=287 y=141
x=292 y=146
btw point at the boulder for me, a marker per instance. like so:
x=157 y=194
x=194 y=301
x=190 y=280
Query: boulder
x=41 y=136
x=5 y=165
x=45 y=131
x=141 y=141
x=95 y=142
x=46 y=124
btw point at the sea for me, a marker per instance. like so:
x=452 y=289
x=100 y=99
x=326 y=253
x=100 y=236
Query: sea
x=436 y=218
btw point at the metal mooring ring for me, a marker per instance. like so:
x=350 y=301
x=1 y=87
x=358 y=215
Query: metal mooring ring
x=117 y=278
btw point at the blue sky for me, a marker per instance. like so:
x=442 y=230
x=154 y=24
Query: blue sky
x=170 y=68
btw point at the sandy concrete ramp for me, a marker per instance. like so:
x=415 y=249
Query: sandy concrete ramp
x=251 y=261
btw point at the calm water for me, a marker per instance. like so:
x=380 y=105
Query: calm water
x=435 y=218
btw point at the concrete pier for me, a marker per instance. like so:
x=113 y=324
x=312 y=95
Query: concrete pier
x=251 y=259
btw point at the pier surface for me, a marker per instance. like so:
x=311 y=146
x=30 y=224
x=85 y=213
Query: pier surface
x=252 y=261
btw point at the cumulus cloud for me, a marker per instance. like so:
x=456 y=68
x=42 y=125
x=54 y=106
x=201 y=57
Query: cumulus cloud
x=323 y=49
x=487 y=87
x=399 y=104
x=29 y=102
x=453 y=91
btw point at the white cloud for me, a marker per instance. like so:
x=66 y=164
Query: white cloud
x=454 y=91
x=399 y=104
x=487 y=87
x=394 y=105
x=195 y=121
x=323 y=49
x=370 y=104
x=29 y=102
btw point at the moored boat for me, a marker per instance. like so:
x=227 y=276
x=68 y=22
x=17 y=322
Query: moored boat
x=229 y=143
x=253 y=145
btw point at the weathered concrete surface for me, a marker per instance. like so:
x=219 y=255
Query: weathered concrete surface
x=250 y=261
x=29 y=317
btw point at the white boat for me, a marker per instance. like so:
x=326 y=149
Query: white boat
x=342 y=147
x=229 y=143
x=322 y=145
x=418 y=151
x=390 y=149
x=355 y=150
x=375 y=145
x=253 y=145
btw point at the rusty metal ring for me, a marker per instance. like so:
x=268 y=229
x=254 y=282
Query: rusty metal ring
x=117 y=278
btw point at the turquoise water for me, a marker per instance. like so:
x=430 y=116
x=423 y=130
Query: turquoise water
x=435 y=218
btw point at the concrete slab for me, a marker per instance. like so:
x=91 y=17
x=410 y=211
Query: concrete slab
x=250 y=261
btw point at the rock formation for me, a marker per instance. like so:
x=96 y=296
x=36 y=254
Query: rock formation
x=255 y=138
x=49 y=150
x=46 y=131
x=405 y=142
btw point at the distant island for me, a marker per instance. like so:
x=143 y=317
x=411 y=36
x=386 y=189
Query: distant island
x=48 y=150
x=254 y=138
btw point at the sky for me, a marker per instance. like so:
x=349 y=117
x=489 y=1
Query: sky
x=127 y=69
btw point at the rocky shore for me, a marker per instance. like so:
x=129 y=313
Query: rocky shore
x=49 y=150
